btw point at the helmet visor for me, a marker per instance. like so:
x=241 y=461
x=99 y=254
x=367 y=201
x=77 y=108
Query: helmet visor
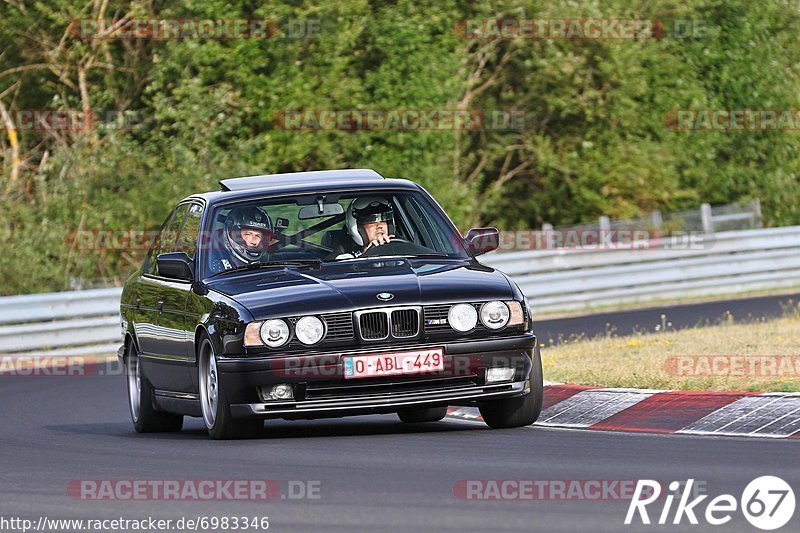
x=386 y=216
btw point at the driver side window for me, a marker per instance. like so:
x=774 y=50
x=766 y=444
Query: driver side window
x=190 y=233
x=150 y=261
x=166 y=240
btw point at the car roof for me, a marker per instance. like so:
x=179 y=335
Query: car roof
x=234 y=189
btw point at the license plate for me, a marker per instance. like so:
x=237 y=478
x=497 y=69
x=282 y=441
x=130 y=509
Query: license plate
x=392 y=364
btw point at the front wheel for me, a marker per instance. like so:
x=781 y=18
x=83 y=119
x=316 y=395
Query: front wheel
x=518 y=412
x=213 y=402
x=140 y=399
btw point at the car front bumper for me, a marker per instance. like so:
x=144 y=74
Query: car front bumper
x=321 y=390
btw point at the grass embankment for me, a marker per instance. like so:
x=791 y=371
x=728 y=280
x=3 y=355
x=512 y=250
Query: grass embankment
x=759 y=356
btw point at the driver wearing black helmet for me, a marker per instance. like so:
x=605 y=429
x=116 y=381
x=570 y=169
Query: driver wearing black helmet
x=245 y=238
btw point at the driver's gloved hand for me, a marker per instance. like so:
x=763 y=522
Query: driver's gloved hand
x=383 y=239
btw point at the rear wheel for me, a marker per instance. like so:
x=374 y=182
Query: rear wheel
x=214 y=403
x=140 y=399
x=422 y=414
x=518 y=412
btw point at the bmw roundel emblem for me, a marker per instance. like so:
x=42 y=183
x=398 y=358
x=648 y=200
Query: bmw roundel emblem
x=384 y=296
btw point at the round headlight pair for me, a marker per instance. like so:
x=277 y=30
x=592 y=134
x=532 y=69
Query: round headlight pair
x=308 y=330
x=464 y=317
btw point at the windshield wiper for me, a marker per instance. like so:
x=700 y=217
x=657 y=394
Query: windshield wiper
x=268 y=264
x=397 y=256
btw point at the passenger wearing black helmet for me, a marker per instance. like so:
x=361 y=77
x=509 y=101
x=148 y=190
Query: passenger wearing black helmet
x=245 y=239
x=369 y=222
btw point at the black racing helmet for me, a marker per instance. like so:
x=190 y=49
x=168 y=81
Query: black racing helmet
x=254 y=218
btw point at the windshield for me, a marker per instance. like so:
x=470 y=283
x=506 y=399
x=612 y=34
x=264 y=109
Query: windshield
x=331 y=227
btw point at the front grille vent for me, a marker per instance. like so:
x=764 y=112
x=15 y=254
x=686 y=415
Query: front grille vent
x=398 y=323
x=405 y=323
x=374 y=326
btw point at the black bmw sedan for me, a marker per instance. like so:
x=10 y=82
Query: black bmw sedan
x=322 y=294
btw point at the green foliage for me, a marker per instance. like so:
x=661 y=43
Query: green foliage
x=595 y=138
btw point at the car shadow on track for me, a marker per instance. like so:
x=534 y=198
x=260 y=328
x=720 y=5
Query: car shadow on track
x=280 y=429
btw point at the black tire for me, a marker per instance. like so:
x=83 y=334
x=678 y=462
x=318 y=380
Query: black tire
x=518 y=412
x=145 y=417
x=422 y=414
x=217 y=413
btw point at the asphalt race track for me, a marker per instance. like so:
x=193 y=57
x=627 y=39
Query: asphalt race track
x=373 y=473
x=674 y=317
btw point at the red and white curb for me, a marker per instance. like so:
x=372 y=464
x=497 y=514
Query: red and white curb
x=740 y=414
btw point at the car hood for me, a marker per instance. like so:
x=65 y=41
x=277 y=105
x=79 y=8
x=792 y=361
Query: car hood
x=351 y=285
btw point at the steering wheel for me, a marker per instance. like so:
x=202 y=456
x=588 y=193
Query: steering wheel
x=396 y=246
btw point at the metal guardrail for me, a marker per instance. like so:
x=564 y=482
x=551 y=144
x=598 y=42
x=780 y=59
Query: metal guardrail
x=569 y=279
x=564 y=279
x=66 y=322
x=706 y=219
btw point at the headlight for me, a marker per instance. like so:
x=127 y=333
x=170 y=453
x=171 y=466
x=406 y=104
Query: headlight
x=309 y=330
x=275 y=333
x=462 y=317
x=494 y=315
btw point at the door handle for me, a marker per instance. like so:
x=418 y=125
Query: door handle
x=138 y=303
x=161 y=306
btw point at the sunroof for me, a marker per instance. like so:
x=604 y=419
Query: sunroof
x=292 y=178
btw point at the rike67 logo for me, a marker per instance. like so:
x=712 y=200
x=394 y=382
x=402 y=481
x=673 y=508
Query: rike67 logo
x=767 y=503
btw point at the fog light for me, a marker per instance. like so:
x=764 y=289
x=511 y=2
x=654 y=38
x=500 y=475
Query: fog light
x=282 y=391
x=493 y=375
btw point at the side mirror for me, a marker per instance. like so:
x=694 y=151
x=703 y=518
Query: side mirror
x=482 y=240
x=176 y=265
